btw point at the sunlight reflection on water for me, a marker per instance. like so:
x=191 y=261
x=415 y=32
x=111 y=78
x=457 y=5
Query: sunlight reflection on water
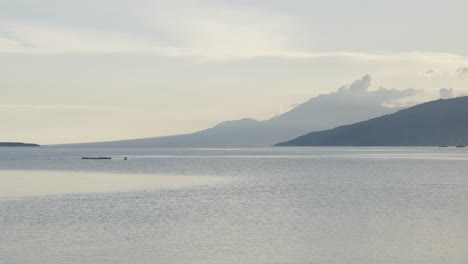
x=34 y=183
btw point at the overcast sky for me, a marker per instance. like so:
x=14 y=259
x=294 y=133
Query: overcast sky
x=91 y=70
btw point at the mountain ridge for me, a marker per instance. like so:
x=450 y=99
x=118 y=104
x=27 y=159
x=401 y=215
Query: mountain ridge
x=437 y=123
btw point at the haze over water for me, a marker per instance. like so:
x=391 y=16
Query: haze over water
x=269 y=205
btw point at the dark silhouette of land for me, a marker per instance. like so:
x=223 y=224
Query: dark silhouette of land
x=17 y=144
x=436 y=123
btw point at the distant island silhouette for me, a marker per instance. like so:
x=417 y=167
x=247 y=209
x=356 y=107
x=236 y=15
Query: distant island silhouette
x=17 y=144
x=437 y=123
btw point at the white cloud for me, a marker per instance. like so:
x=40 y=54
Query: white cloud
x=217 y=31
x=361 y=85
x=172 y=28
x=204 y=40
x=56 y=40
x=198 y=29
x=359 y=90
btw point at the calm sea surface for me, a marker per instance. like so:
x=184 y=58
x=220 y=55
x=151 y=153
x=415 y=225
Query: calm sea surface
x=272 y=205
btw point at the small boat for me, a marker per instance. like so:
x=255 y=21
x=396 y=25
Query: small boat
x=460 y=146
x=96 y=158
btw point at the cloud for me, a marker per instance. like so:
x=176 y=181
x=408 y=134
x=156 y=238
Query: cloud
x=31 y=39
x=453 y=71
x=166 y=28
x=9 y=40
x=427 y=73
x=361 y=85
x=56 y=40
x=358 y=86
x=23 y=108
x=462 y=71
x=222 y=31
x=359 y=91
x=204 y=30
x=447 y=93
x=205 y=33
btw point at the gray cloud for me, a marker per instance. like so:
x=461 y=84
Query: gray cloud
x=428 y=73
x=14 y=39
x=462 y=71
x=446 y=93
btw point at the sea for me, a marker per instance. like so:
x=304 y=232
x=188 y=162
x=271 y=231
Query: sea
x=317 y=205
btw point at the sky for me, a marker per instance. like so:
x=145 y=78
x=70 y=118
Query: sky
x=94 y=70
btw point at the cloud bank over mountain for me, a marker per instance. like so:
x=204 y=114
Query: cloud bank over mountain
x=350 y=103
x=360 y=90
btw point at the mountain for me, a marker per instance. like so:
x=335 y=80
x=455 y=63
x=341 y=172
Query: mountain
x=437 y=123
x=17 y=144
x=349 y=104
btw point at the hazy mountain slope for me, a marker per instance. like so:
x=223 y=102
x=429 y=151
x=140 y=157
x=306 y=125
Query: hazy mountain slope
x=351 y=103
x=441 y=122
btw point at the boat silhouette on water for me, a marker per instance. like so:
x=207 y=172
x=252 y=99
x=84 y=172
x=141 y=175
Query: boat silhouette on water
x=96 y=158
